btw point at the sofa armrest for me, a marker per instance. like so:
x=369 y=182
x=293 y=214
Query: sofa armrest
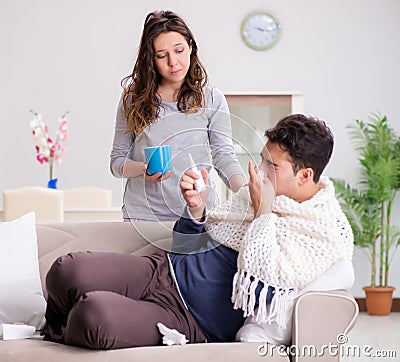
x=318 y=319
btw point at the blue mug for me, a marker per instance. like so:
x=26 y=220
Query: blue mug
x=158 y=159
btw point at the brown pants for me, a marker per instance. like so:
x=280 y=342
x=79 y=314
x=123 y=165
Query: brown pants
x=109 y=300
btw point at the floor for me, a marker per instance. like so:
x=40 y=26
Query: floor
x=373 y=338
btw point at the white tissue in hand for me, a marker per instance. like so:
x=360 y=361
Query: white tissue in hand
x=171 y=336
x=17 y=331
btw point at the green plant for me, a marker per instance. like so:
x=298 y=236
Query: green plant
x=369 y=207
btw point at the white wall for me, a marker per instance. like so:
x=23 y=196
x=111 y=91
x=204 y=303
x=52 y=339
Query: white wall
x=71 y=55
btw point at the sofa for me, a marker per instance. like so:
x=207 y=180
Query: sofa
x=319 y=317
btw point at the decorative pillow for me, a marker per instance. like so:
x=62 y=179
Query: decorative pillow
x=21 y=295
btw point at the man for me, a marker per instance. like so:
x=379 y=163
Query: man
x=284 y=243
x=249 y=256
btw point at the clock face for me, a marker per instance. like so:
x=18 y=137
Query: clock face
x=260 y=31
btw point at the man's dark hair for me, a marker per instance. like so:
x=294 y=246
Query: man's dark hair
x=308 y=141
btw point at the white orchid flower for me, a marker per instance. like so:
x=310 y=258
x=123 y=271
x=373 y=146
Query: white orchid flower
x=47 y=149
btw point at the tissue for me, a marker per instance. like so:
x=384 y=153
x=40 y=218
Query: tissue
x=171 y=336
x=17 y=331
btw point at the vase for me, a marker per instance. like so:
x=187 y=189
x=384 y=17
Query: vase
x=52 y=184
x=379 y=300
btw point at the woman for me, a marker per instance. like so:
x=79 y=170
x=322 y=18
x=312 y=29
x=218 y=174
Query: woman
x=166 y=101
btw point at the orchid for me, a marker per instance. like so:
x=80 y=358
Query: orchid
x=47 y=150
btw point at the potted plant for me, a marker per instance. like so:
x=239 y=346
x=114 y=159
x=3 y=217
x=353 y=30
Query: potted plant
x=48 y=150
x=369 y=207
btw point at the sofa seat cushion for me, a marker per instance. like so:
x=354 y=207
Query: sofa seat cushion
x=29 y=350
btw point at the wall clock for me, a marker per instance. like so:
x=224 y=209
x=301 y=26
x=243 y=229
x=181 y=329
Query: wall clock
x=260 y=30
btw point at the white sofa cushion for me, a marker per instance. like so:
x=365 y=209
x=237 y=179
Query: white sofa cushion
x=21 y=295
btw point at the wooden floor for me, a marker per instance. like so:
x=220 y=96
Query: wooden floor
x=373 y=338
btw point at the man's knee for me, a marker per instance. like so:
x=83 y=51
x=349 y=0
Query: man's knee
x=89 y=322
x=60 y=274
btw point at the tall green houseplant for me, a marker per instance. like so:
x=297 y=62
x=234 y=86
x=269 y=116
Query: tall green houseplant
x=369 y=207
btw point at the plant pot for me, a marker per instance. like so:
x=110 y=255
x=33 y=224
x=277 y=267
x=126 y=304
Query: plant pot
x=379 y=300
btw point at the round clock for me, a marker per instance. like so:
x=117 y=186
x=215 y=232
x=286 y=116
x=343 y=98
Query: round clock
x=260 y=30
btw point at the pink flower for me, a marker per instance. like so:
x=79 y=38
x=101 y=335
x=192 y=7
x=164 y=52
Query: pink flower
x=47 y=150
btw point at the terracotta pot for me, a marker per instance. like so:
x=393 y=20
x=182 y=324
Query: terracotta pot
x=379 y=300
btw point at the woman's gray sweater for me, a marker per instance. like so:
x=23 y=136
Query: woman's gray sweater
x=206 y=134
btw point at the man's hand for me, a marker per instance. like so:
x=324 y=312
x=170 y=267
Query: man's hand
x=262 y=192
x=195 y=200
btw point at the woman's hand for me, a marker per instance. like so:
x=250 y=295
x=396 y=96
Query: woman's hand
x=133 y=168
x=262 y=192
x=158 y=177
x=236 y=182
x=195 y=200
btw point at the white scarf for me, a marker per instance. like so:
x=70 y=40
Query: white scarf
x=286 y=249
